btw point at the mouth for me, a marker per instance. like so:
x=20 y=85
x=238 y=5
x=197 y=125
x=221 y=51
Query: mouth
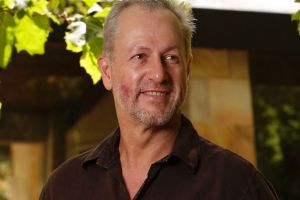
x=156 y=93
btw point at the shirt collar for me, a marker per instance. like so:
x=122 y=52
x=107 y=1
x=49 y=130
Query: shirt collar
x=106 y=153
x=186 y=148
x=187 y=145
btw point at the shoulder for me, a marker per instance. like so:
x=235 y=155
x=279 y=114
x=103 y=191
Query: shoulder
x=74 y=176
x=65 y=173
x=223 y=159
x=210 y=155
x=77 y=164
x=237 y=174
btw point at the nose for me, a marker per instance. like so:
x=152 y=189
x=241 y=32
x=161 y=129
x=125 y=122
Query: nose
x=157 y=70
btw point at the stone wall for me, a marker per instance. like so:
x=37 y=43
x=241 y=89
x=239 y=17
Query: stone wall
x=219 y=99
x=27 y=170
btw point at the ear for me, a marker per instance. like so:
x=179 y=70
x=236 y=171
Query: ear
x=105 y=69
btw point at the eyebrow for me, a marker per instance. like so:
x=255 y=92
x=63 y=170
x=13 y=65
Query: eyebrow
x=139 y=47
x=175 y=47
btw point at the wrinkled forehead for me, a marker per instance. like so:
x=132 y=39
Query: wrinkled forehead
x=146 y=10
x=137 y=17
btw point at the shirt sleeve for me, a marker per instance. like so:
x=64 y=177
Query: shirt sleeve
x=259 y=189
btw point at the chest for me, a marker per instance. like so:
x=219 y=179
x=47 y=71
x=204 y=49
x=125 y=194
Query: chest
x=134 y=178
x=162 y=182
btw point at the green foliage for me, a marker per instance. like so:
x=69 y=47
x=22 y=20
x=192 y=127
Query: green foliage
x=6 y=38
x=90 y=3
x=92 y=47
x=277 y=121
x=296 y=17
x=31 y=33
x=88 y=58
x=26 y=25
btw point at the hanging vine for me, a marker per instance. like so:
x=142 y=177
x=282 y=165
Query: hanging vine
x=26 y=24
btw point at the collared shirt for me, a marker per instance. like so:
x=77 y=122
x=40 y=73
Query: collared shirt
x=196 y=169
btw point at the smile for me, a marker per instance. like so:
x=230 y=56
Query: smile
x=154 y=93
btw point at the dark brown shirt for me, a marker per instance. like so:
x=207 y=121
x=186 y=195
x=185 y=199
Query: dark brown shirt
x=195 y=170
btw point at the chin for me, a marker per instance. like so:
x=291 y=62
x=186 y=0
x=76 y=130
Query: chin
x=154 y=119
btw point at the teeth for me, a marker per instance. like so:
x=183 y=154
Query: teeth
x=156 y=93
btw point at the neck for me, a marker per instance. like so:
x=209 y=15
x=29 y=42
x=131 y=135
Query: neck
x=140 y=144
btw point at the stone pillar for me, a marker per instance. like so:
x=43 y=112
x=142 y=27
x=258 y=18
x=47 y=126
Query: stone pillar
x=219 y=99
x=27 y=170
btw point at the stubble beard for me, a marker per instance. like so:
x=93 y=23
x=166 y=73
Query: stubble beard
x=150 y=118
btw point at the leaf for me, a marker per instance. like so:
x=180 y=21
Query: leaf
x=72 y=47
x=95 y=8
x=103 y=14
x=53 y=4
x=94 y=28
x=8 y=3
x=90 y=3
x=95 y=44
x=296 y=16
x=31 y=34
x=6 y=38
x=88 y=61
x=39 y=7
x=92 y=49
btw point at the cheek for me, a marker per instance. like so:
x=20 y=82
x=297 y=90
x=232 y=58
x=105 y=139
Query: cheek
x=125 y=92
x=180 y=78
x=181 y=83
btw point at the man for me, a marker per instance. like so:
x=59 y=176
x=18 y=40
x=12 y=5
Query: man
x=155 y=153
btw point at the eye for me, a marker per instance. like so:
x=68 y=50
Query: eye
x=171 y=59
x=138 y=56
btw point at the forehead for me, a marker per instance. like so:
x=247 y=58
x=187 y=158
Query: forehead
x=136 y=21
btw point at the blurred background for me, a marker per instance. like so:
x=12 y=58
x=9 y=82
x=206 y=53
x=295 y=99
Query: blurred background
x=244 y=94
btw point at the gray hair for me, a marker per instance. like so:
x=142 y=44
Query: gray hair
x=181 y=10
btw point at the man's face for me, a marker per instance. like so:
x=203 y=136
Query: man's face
x=148 y=72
